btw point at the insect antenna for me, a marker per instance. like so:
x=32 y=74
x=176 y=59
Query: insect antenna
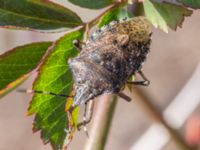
x=42 y=92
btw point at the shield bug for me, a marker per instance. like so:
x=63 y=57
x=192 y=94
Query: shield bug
x=109 y=58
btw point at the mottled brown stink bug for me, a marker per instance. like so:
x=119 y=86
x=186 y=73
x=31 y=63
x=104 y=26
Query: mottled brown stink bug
x=109 y=58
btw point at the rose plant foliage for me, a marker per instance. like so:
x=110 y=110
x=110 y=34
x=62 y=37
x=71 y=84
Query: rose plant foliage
x=49 y=59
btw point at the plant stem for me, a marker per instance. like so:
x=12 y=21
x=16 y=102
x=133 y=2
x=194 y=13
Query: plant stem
x=114 y=5
x=155 y=115
x=90 y=24
x=101 y=123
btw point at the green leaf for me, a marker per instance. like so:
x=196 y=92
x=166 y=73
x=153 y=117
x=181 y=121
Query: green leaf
x=188 y=3
x=54 y=76
x=191 y=3
x=165 y=15
x=18 y=62
x=115 y=14
x=36 y=14
x=92 y=4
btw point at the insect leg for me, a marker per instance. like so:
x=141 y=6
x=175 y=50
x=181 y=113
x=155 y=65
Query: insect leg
x=89 y=106
x=78 y=44
x=145 y=81
x=124 y=96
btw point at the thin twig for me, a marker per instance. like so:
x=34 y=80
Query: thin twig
x=101 y=123
x=145 y=103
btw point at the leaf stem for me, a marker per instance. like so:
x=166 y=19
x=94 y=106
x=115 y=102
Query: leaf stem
x=109 y=8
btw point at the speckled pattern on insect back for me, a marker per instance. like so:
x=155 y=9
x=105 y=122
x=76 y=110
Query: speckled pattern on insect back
x=109 y=58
